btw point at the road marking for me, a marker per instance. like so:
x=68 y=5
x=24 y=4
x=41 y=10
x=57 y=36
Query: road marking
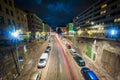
x=30 y=62
x=60 y=68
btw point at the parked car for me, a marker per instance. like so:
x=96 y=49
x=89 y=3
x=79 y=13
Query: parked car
x=36 y=75
x=73 y=51
x=68 y=46
x=88 y=74
x=47 y=51
x=79 y=60
x=43 y=60
x=48 y=47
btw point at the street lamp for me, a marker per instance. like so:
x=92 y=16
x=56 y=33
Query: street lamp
x=92 y=23
x=15 y=36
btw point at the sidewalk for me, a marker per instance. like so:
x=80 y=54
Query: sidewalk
x=32 y=60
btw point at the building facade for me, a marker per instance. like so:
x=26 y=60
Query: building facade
x=7 y=18
x=100 y=19
x=35 y=25
x=21 y=20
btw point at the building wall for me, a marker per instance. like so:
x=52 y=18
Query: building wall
x=103 y=12
x=34 y=23
x=21 y=20
x=7 y=15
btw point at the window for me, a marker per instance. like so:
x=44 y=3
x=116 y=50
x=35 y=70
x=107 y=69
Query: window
x=22 y=19
x=18 y=18
x=13 y=22
x=104 y=6
x=103 y=12
x=9 y=22
x=114 y=6
x=25 y=20
x=0 y=7
x=7 y=11
x=31 y=16
x=12 y=13
x=1 y=20
x=5 y=1
x=10 y=2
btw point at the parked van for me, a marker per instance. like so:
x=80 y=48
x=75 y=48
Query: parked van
x=43 y=60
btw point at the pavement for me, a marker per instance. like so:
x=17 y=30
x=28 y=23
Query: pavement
x=31 y=65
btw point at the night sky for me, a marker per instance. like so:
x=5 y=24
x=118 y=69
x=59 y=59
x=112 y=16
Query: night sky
x=55 y=12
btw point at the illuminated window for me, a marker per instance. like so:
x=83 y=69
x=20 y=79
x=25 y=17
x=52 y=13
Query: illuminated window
x=117 y=20
x=87 y=22
x=104 y=5
x=103 y=12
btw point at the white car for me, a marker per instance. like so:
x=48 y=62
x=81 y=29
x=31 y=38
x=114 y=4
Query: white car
x=73 y=51
x=43 y=60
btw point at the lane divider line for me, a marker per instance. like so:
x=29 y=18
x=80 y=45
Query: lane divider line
x=65 y=63
x=65 y=55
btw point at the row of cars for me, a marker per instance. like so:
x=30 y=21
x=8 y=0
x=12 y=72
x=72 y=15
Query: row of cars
x=41 y=64
x=86 y=72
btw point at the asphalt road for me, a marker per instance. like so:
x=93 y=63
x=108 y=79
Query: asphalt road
x=60 y=65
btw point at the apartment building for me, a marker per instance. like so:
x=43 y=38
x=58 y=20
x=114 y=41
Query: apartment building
x=7 y=15
x=21 y=20
x=99 y=18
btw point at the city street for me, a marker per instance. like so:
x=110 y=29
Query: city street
x=59 y=39
x=59 y=67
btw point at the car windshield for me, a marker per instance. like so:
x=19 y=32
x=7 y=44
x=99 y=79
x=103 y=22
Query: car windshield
x=46 y=51
x=42 y=60
x=81 y=60
x=74 y=52
x=48 y=46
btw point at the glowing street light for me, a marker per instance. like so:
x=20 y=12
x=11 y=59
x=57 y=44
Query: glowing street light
x=15 y=34
x=92 y=23
x=113 y=32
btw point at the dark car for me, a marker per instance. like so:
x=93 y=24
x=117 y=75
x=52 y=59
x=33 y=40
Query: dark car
x=88 y=74
x=47 y=52
x=68 y=46
x=79 y=60
x=48 y=47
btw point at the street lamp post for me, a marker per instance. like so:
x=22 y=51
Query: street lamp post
x=15 y=41
x=17 y=54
